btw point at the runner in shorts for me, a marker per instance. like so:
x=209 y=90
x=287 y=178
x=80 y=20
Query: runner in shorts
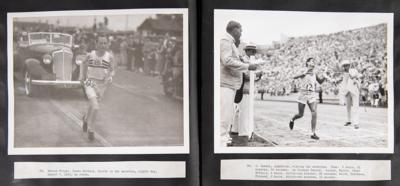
x=97 y=75
x=308 y=95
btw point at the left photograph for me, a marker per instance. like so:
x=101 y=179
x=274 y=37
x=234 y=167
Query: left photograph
x=98 y=82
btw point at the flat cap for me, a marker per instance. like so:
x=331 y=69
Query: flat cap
x=250 y=47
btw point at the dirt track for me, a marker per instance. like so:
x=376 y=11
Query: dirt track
x=134 y=112
x=272 y=119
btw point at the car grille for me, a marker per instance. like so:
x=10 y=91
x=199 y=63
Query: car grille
x=62 y=65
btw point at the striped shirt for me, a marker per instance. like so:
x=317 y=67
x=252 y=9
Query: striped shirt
x=99 y=67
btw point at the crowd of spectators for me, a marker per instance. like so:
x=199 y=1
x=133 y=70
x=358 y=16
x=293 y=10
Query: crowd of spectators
x=365 y=47
x=150 y=54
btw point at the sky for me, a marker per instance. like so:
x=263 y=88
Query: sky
x=116 y=22
x=263 y=27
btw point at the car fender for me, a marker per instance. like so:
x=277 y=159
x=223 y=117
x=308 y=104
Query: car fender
x=18 y=64
x=34 y=68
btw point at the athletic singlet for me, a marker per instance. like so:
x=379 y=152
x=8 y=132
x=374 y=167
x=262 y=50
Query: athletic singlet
x=308 y=84
x=99 y=66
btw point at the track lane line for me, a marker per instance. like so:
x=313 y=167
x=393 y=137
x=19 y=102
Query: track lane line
x=78 y=122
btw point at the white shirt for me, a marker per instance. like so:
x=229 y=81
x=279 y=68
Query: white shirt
x=350 y=84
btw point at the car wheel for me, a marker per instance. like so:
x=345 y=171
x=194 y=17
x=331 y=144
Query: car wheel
x=28 y=84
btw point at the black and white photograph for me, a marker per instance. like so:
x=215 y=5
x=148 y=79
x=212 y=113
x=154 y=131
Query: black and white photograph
x=303 y=82
x=98 y=82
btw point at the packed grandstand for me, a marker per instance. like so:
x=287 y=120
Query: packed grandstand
x=364 y=47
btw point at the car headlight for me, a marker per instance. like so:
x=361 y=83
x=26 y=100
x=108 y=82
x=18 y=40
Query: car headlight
x=47 y=59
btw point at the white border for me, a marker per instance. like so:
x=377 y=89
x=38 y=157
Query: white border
x=99 y=150
x=218 y=149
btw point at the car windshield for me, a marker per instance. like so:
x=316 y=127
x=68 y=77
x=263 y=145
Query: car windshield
x=39 y=38
x=61 y=39
x=50 y=38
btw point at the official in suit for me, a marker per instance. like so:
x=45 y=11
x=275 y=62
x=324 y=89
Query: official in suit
x=231 y=69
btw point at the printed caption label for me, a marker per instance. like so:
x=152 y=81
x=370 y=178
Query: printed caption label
x=301 y=169
x=129 y=169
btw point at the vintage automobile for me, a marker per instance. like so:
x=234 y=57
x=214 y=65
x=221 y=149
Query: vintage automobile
x=48 y=60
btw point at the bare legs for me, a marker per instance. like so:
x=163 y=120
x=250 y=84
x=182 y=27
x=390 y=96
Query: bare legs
x=313 y=109
x=301 y=111
x=91 y=116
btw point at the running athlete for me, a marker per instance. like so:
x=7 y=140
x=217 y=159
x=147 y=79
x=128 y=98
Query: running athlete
x=308 y=95
x=97 y=71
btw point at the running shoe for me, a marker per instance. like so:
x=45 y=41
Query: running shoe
x=291 y=124
x=314 y=136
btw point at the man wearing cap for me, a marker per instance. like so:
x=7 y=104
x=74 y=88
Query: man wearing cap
x=231 y=69
x=242 y=127
x=349 y=93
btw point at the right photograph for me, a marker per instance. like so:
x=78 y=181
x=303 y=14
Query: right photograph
x=303 y=82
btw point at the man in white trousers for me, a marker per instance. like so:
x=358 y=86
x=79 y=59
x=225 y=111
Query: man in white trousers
x=349 y=93
x=242 y=126
x=231 y=69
